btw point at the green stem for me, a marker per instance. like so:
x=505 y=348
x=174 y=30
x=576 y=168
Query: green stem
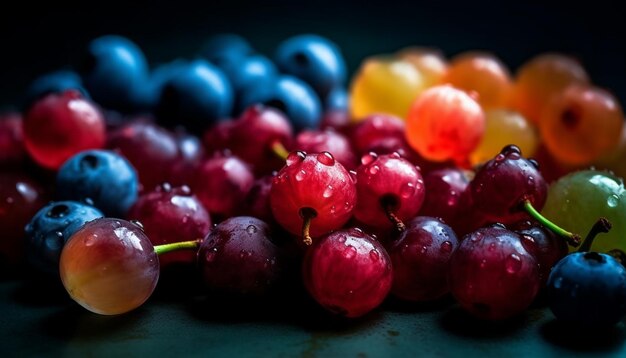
x=602 y=225
x=571 y=238
x=176 y=246
x=279 y=149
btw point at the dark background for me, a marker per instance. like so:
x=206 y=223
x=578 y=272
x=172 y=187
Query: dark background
x=35 y=38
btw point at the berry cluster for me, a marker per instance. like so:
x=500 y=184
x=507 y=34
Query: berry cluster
x=412 y=183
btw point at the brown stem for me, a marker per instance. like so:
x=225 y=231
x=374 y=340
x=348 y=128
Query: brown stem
x=602 y=225
x=307 y=215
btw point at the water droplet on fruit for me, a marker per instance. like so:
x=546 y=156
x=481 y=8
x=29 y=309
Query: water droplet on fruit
x=558 y=282
x=251 y=229
x=342 y=239
x=499 y=158
x=374 y=169
x=295 y=157
x=300 y=175
x=612 y=201
x=395 y=155
x=483 y=263
x=368 y=158
x=374 y=255
x=326 y=158
x=446 y=247
x=90 y=240
x=423 y=249
x=244 y=253
x=185 y=219
x=333 y=209
x=136 y=223
x=59 y=234
x=328 y=192
x=513 y=263
x=407 y=190
x=349 y=252
x=185 y=190
x=531 y=181
x=492 y=246
x=352 y=175
x=476 y=237
x=166 y=187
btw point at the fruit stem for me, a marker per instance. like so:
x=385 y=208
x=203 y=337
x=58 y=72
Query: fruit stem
x=307 y=215
x=176 y=246
x=602 y=225
x=279 y=149
x=400 y=227
x=571 y=238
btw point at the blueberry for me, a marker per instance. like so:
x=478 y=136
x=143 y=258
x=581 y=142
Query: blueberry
x=114 y=70
x=337 y=100
x=315 y=60
x=150 y=93
x=256 y=70
x=223 y=49
x=588 y=289
x=102 y=176
x=48 y=231
x=53 y=82
x=196 y=97
x=290 y=95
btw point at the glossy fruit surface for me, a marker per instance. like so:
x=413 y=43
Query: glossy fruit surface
x=222 y=183
x=542 y=77
x=347 y=272
x=581 y=124
x=483 y=74
x=113 y=71
x=239 y=257
x=429 y=62
x=385 y=86
x=492 y=276
x=312 y=181
x=502 y=185
x=504 y=127
x=292 y=96
x=151 y=149
x=198 y=96
x=444 y=189
x=588 y=289
x=315 y=141
x=445 y=123
x=226 y=48
x=20 y=198
x=387 y=185
x=51 y=227
x=420 y=258
x=102 y=176
x=314 y=59
x=576 y=200
x=171 y=214
x=109 y=266
x=61 y=125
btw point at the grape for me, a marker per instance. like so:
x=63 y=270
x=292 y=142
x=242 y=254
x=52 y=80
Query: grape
x=542 y=77
x=504 y=127
x=576 y=200
x=430 y=63
x=483 y=74
x=492 y=275
x=581 y=124
x=109 y=266
x=420 y=258
x=445 y=123
x=347 y=272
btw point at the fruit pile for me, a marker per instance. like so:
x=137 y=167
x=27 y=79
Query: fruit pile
x=415 y=182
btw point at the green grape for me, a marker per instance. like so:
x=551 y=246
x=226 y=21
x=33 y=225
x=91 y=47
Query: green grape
x=577 y=200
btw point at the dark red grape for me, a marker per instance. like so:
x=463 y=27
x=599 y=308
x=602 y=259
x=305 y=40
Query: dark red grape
x=171 y=215
x=315 y=141
x=420 y=258
x=389 y=190
x=239 y=257
x=444 y=191
x=348 y=272
x=492 y=275
x=12 y=151
x=313 y=194
x=221 y=183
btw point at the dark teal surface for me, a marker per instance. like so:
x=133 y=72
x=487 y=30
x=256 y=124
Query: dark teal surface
x=34 y=323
